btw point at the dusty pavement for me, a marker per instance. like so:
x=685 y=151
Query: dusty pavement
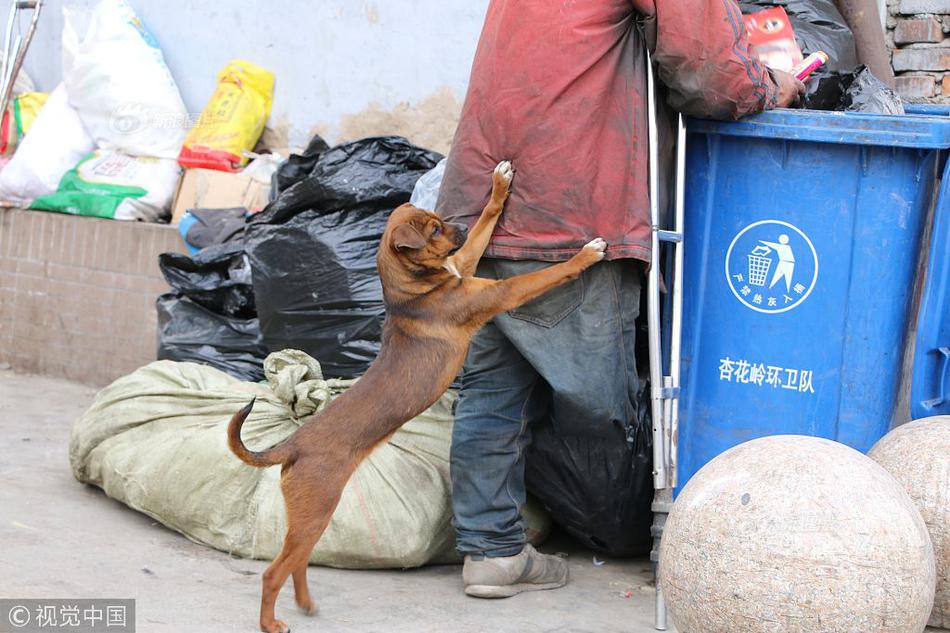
x=59 y=538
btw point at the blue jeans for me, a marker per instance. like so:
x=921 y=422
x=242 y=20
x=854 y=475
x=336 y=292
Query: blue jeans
x=567 y=355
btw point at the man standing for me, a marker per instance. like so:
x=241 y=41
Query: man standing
x=559 y=89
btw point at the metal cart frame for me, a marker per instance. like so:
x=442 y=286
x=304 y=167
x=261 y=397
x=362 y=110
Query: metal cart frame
x=664 y=376
x=15 y=46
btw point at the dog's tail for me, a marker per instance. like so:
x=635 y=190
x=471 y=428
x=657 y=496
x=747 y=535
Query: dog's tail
x=276 y=455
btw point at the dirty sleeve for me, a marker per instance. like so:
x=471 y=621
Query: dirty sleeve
x=701 y=50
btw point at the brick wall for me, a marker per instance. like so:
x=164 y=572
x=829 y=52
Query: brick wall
x=77 y=294
x=917 y=33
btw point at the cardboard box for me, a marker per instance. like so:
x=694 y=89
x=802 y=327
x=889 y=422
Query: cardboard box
x=211 y=189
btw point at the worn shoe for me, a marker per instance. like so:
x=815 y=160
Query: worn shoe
x=505 y=576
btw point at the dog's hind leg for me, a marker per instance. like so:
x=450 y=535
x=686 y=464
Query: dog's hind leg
x=302 y=591
x=302 y=535
x=311 y=494
x=273 y=580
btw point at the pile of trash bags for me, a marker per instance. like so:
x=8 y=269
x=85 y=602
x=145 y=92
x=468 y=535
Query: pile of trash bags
x=313 y=249
x=156 y=441
x=302 y=273
x=210 y=316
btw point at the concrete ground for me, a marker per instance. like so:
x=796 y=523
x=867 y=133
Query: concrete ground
x=63 y=539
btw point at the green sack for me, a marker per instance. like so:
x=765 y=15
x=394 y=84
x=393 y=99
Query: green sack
x=156 y=441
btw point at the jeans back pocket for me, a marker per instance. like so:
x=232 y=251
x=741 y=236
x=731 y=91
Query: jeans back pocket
x=553 y=306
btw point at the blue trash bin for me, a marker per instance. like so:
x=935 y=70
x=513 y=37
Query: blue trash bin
x=802 y=235
x=930 y=386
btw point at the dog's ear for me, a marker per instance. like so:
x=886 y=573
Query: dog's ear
x=406 y=236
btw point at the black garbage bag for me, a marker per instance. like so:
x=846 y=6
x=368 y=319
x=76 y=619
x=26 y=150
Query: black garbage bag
x=824 y=90
x=298 y=166
x=855 y=91
x=190 y=332
x=313 y=249
x=599 y=489
x=379 y=171
x=218 y=278
x=317 y=289
x=819 y=26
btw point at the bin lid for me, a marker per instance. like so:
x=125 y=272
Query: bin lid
x=848 y=128
x=930 y=384
x=931 y=109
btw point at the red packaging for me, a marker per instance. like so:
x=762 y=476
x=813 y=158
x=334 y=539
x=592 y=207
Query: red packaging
x=772 y=38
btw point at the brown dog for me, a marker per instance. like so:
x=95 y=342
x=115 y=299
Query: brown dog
x=433 y=307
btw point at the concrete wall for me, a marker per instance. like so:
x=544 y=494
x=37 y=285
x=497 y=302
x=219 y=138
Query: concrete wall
x=345 y=68
x=77 y=295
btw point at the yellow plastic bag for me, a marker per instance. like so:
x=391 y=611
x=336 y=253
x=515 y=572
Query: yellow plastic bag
x=233 y=120
x=18 y=118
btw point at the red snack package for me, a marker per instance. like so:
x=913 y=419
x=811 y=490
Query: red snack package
x=772 y=38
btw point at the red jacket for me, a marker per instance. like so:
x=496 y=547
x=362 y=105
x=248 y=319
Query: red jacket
x=559 y=87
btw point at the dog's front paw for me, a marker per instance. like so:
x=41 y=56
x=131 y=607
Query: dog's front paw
x=505 y=171
x=501 y=180
x=592 y=252
x=598 y=245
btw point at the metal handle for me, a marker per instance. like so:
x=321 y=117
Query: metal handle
x=944 y=361
x=660 y=480
x=664 y=387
